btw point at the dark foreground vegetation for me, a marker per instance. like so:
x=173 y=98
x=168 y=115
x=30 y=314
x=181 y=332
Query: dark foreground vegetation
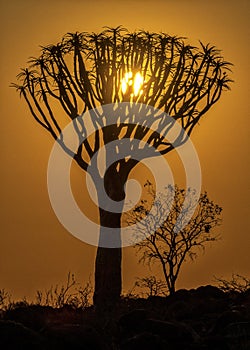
x=204 y=318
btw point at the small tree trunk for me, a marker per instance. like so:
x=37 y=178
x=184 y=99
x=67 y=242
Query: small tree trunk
x=172 y=290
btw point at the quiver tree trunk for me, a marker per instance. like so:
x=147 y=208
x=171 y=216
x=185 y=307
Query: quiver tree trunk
x=107 y=267
x=108 y=282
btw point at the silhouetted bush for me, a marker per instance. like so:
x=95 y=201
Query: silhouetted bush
x=237 y=283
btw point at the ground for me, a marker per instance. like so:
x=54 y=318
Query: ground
x=202 y=318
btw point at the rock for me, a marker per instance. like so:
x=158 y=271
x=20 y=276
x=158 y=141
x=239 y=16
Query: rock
x=133 y=320
x=144 y=341
x=180 y=295
x=199 y=326
x=14 y=336
x=216 y=342
x=33 y=316
x=209 y=292
x=202 y=307
x=179 y=310
x=73 y=336
x=156 y=300
x=238 y=335
x=225 y=319
x=171 y=331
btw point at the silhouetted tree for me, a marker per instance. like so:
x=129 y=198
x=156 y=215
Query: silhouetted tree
x=150 y=286
x=167 y=245
x=86 y=70
x=237 y=283
x=5 y=299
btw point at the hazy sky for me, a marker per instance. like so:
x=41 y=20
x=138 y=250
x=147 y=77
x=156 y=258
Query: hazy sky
x=35 y=250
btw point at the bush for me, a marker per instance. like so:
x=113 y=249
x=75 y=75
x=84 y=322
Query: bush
x=237 y=283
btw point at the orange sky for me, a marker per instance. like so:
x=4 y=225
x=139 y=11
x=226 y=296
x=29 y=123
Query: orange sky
x=35 y=250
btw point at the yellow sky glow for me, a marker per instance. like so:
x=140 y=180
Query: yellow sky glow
x=36 y=251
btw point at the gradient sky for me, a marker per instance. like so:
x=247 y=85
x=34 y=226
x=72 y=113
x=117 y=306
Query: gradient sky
x=35 y=250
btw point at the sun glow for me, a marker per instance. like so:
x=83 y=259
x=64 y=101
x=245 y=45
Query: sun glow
x=132 y=84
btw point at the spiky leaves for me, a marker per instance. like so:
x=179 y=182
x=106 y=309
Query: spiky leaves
x=86 y=70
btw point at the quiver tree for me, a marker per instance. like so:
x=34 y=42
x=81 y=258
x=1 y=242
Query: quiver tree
x=168 y=247
x=84 y=71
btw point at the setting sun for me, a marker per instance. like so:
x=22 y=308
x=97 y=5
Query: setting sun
x=132 y=84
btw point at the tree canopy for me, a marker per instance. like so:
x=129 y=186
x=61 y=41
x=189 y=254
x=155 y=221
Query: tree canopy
x=85 y=70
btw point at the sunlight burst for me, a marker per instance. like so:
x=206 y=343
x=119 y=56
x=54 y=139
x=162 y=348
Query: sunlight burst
x=132 y=84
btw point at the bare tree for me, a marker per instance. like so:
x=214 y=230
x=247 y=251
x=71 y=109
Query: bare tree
x=151 y=286
x=237 y=283
x=84 y=71
x=71 y=293
x=167 y=245
x=5 y=300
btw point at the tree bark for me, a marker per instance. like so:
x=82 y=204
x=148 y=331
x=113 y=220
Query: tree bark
x=108 y=280
x=107 y=266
